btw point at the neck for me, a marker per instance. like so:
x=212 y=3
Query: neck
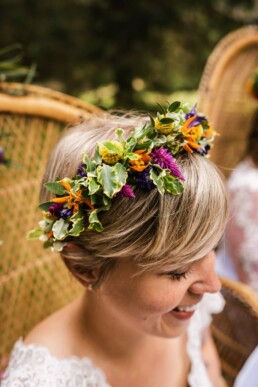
x=108 y=334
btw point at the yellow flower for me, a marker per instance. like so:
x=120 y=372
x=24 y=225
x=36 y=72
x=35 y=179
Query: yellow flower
x=163 y=128
x=111 y=152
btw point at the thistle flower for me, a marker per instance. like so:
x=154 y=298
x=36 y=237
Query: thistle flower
x=143 y=180
x=165 y=160
x=126 y=192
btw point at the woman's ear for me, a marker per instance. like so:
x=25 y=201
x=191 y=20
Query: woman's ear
x=86 y=276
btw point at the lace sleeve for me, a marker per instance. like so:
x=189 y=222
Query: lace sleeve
x=34 y=366
x=211 y=303
x=242 y=230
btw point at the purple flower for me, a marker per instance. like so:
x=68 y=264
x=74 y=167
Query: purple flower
x=165 y=160
x=198 y=117
x=143 y=180
x=82 y=170
x=55 y=209
x=126 y=192
x=66 y=213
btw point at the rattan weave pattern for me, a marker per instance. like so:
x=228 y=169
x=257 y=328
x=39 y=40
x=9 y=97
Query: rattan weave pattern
x=235 y=329
x=223 y=96
x=33 y=282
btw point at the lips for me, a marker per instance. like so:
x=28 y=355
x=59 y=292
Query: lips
x=184 y=312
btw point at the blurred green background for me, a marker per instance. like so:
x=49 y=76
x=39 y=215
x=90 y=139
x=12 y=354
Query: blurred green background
x=120 y=53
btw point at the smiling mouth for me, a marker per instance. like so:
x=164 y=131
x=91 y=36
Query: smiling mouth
x=190 y=308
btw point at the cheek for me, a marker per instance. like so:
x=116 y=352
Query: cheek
x=160 y=298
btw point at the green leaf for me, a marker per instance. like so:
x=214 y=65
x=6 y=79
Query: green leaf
x=55 y=187
x=78 y=227
x=120 y=136
x=132 y=156
x=166 y=120
x=158 y=181
x=107 y=177
x=162 y=109
x=121 y=175
x=113 y=147
x=93 y=186
x=94 y=223
x=174 y=106
x=34 y=234
x=152 y=121
x=60 y=228
x=172 y=185
x=45 y=206
x=90 y=165
x=57 y=246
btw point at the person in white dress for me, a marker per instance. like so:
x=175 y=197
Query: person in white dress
x=237 y=256
x=146 y=260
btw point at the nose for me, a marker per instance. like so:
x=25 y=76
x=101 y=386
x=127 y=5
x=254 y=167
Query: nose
x=207 y=281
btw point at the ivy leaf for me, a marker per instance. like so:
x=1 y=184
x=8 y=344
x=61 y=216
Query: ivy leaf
x=94 y=223
x=90 y=164
x=45 y=206
x=174 y=106
x=77 y=228
x=55 y=187
x=107 y=177
x=158 y=181
x=93 y=186
x=121 y=175
x=34 y=234
x=60 y=228
x=172 y=185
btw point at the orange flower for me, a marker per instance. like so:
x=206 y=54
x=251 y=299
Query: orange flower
x=142 y=162
x=73 y=199
x=192 y=135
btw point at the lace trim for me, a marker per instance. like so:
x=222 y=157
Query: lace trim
x=34 y=366
x=211 y=303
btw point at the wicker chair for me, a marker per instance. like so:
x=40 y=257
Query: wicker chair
x=235 y=329
x=33 y=119
x=223 y=94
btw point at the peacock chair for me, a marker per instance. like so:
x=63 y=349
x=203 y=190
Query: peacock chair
x=235 y=329
x=33 y=281
x=223 y=95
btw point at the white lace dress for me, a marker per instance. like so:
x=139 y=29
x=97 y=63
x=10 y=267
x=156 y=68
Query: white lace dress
x=34 y=366
x=240 y=244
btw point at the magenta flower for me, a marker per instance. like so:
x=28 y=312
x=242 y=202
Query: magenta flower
x=165 y=160
x=126 y=192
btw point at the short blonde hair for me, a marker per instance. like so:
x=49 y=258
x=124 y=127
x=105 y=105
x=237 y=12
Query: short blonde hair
x=151 y=230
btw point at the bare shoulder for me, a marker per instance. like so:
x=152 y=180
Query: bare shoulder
x=56 y=332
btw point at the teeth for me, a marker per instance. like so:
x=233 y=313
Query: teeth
x=187 y=308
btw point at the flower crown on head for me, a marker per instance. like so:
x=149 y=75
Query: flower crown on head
x=144 y=160
x=252 y=85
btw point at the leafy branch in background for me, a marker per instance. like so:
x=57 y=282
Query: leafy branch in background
x=11 y=68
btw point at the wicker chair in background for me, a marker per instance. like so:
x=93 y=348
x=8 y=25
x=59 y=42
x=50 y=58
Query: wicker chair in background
x=235 y=329
x=223 y=94
x=33 y=282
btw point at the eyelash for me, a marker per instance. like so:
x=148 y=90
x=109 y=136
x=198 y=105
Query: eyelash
x=177 y=276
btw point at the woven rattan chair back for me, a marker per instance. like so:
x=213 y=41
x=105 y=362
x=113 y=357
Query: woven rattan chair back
x=235 y=329
x=33 y=282
x=223 y=94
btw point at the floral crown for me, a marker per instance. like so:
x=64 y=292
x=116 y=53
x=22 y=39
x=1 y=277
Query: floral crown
x=144 y=160
x=252 y=85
